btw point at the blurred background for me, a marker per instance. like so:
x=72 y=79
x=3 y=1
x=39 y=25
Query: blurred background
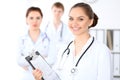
x=13 y=24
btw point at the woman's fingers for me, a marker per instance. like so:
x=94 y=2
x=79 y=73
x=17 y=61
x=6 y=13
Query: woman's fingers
x=37 y=74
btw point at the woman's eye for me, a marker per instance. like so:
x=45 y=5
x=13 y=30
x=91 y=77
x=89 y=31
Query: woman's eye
x=60 y=11
x=38 y=18
x=31 y=17
x=70 y=19
x=81 y=19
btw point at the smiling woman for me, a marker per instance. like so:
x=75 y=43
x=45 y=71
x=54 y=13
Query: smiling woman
x=86 y=57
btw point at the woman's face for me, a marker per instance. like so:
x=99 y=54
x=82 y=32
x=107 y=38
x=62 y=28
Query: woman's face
x=34 y=20
x=57 y=12
x=78 y=21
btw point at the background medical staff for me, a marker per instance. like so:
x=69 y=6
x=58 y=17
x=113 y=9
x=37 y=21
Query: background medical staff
x=33 y=40
x=57 y=31
x=85 y=57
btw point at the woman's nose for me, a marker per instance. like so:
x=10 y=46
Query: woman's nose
x=74 y=23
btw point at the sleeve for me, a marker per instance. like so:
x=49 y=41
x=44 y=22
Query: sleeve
x=104 y=64
x=20 y=55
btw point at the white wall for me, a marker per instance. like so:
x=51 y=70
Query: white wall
x=107 y=10
x=12 y=24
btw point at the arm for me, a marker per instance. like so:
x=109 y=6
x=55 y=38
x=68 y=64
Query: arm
x=20 y=55
x=104 y=65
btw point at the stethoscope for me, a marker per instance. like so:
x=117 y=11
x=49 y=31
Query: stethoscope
x=67 y=50
x=61 y=31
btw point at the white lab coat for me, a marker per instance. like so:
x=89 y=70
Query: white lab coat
x=57 y=38
x=26 y=45
x=94 y=65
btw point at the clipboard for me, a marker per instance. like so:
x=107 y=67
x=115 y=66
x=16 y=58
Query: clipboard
x=36 y=60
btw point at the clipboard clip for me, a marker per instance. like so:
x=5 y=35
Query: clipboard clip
x=31 y=57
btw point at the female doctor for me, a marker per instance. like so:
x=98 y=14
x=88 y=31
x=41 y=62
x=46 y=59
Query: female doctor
x=33 y=40
x=84 y=58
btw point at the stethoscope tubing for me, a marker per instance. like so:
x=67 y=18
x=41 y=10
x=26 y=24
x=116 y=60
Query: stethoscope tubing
x=84 y=52
x=67 y=49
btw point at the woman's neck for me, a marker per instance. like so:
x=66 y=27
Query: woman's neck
x=34 y=34
x=79 y=42
x=82 y=38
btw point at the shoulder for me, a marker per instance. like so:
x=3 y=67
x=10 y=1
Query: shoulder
x=44 y=36
x=100 y=44
x=101 y=51
x=66 y=30
x=65 y=26
x=23 y=36
x=62 y=49
x=45 y=25
x=101 y=47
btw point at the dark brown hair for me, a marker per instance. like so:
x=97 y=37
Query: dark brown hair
x=58 y=5
x=34 y=9
x=89 y=12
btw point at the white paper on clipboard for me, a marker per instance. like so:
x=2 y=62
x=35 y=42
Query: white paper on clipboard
x=39 y=62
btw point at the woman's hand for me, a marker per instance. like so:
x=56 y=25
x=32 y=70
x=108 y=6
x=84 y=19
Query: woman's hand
x=37 y=74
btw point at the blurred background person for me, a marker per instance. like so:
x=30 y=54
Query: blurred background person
x=57 y=31
x=33 y=40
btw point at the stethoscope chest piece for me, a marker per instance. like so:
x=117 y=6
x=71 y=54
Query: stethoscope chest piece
x=74 y=70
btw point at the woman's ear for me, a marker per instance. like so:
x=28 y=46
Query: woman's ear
x=91 y=22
